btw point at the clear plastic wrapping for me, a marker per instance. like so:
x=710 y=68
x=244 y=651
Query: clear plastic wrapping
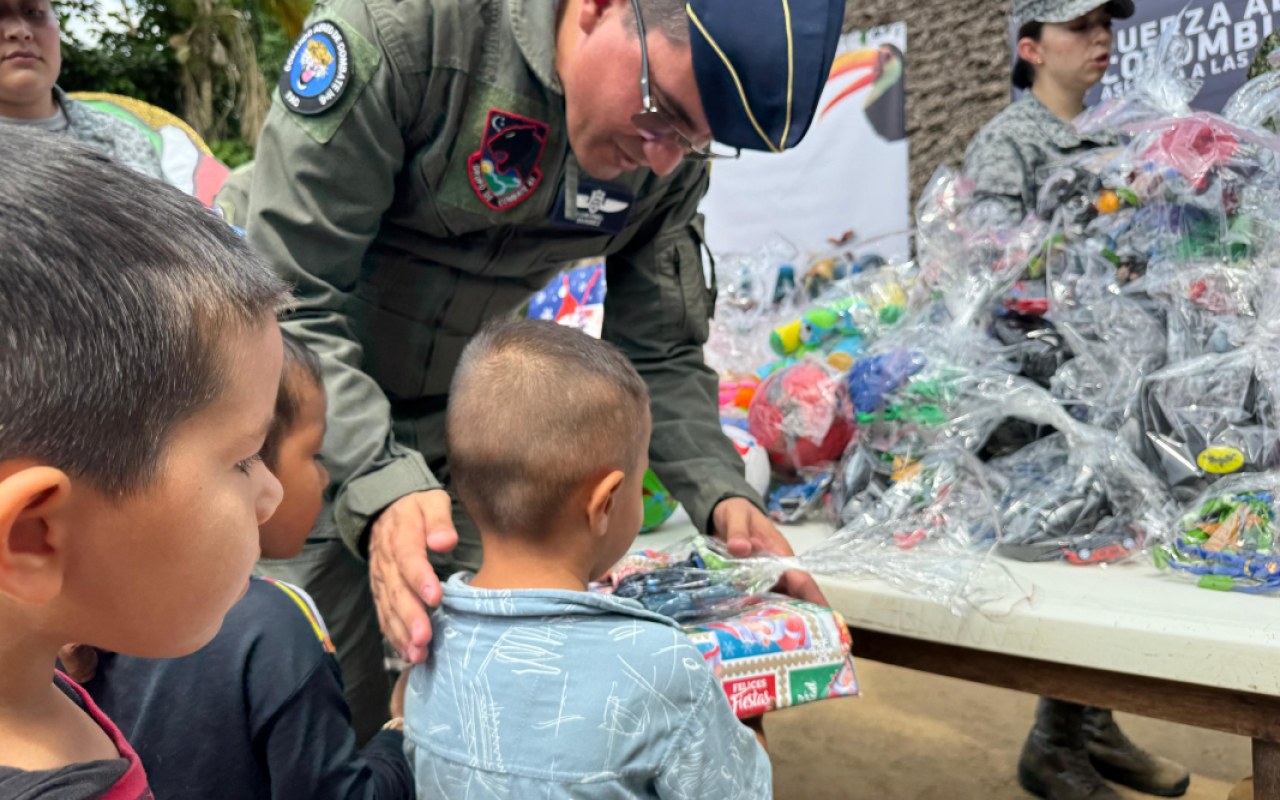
x=1114 y=341
x=756 y=290
x=1225 y=538
x=801 y=416
x=1256 y=103
x=692 y=580
x=1208 y=307
x=1211 y=416
x=790 y=503
x=929 y=530
x=1079 y=494
x=909 y=387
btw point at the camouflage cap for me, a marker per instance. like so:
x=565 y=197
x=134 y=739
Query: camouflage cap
x=1055 y=11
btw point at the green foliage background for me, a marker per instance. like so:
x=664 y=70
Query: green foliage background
x=128 y=53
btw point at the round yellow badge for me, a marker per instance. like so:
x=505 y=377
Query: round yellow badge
x=1220 y=460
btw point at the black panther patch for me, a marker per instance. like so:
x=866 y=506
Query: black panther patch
x=504 y=171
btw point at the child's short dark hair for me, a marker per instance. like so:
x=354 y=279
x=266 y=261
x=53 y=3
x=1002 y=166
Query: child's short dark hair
x=115 y=290
x=536 y=409
x=300 y=364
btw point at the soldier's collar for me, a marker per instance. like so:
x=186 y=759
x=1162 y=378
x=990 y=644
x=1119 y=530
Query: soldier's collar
x=1062 y=134
x=534 y=24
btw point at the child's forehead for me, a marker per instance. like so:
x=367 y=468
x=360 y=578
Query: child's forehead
x=307 y=393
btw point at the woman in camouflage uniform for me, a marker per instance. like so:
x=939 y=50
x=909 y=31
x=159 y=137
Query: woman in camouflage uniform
x=1064 y=49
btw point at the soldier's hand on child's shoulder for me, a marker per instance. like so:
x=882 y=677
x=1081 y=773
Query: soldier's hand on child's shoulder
x=401 y=577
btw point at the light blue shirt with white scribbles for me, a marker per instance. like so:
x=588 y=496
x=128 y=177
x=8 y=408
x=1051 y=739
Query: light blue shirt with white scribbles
x=535 y=694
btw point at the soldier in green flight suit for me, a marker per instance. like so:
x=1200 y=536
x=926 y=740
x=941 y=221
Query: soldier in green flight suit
x=428 y=165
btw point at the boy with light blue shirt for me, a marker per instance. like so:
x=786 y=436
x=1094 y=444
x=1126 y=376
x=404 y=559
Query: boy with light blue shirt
x=534 y=687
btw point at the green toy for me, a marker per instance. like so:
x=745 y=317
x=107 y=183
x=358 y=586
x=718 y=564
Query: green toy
x=885 y=305
x=658 y=503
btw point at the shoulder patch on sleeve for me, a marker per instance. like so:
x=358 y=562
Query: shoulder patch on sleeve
x=326 y=71
x=308 y=608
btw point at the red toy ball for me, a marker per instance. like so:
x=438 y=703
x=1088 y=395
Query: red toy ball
x=802 y=417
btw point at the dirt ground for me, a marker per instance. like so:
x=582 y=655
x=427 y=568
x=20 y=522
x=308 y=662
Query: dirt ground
x=913 y=736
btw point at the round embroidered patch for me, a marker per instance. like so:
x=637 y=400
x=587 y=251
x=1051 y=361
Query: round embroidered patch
x=316 y=72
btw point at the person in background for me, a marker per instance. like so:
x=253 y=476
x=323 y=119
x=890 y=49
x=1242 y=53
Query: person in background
x=30 y=60
x=536 y=687
x=137 y=383
x=1064 y=49
x=258 y=713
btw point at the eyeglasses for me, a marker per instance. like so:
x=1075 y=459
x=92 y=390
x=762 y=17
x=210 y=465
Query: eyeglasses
x=661 y=125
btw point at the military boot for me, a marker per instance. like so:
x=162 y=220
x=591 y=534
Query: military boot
x=1054 y=763
x=1122 y=761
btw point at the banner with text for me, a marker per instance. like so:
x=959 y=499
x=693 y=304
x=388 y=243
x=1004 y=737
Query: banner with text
x=846 y=181
x=1224 y=38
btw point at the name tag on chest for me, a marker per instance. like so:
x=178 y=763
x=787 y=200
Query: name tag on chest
x=602 y=207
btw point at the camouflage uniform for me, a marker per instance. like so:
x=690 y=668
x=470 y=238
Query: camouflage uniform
x=376 y=209
x=1262 y=60
x=112 y=137
x=1013 y=154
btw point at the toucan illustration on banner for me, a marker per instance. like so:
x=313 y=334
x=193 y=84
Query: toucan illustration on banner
x=885 y=104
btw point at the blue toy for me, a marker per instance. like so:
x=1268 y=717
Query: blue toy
x=1240 y=571
x=873 y=378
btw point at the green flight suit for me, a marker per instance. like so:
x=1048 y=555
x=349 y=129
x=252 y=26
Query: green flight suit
x=369 y=209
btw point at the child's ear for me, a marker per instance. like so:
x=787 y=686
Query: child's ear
x=601 y=503
x=31 y=536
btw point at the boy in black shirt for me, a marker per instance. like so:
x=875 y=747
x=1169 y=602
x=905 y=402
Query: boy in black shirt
x=259 y=712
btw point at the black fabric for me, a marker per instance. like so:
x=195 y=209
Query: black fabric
x=84 y=781
x=257 y=713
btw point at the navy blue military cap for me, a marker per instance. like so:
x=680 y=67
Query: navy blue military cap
x=761 y=66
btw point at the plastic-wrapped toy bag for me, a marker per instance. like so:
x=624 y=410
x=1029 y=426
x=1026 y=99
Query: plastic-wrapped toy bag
x=801 y=416
x=1205 y=189
x=1209 y=308
x=990 y=265
x=909 y=387
x=940 y=227
x=748 y=283
x=793 y=502
x=1256 y=103
x=928 y=531
x=1056 y=507
x=1113 y=340
x=838 y=327
x=778 y=653
x=755 y=292
x=1159 y=89
x=1211 y=416
x=1079 y=495
x=692 y=580
x=1225 y=538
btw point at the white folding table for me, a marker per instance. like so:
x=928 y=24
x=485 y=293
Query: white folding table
x=1126 y=637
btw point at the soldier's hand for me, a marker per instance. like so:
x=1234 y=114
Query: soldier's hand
x=401 y=577
x=747 y=531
